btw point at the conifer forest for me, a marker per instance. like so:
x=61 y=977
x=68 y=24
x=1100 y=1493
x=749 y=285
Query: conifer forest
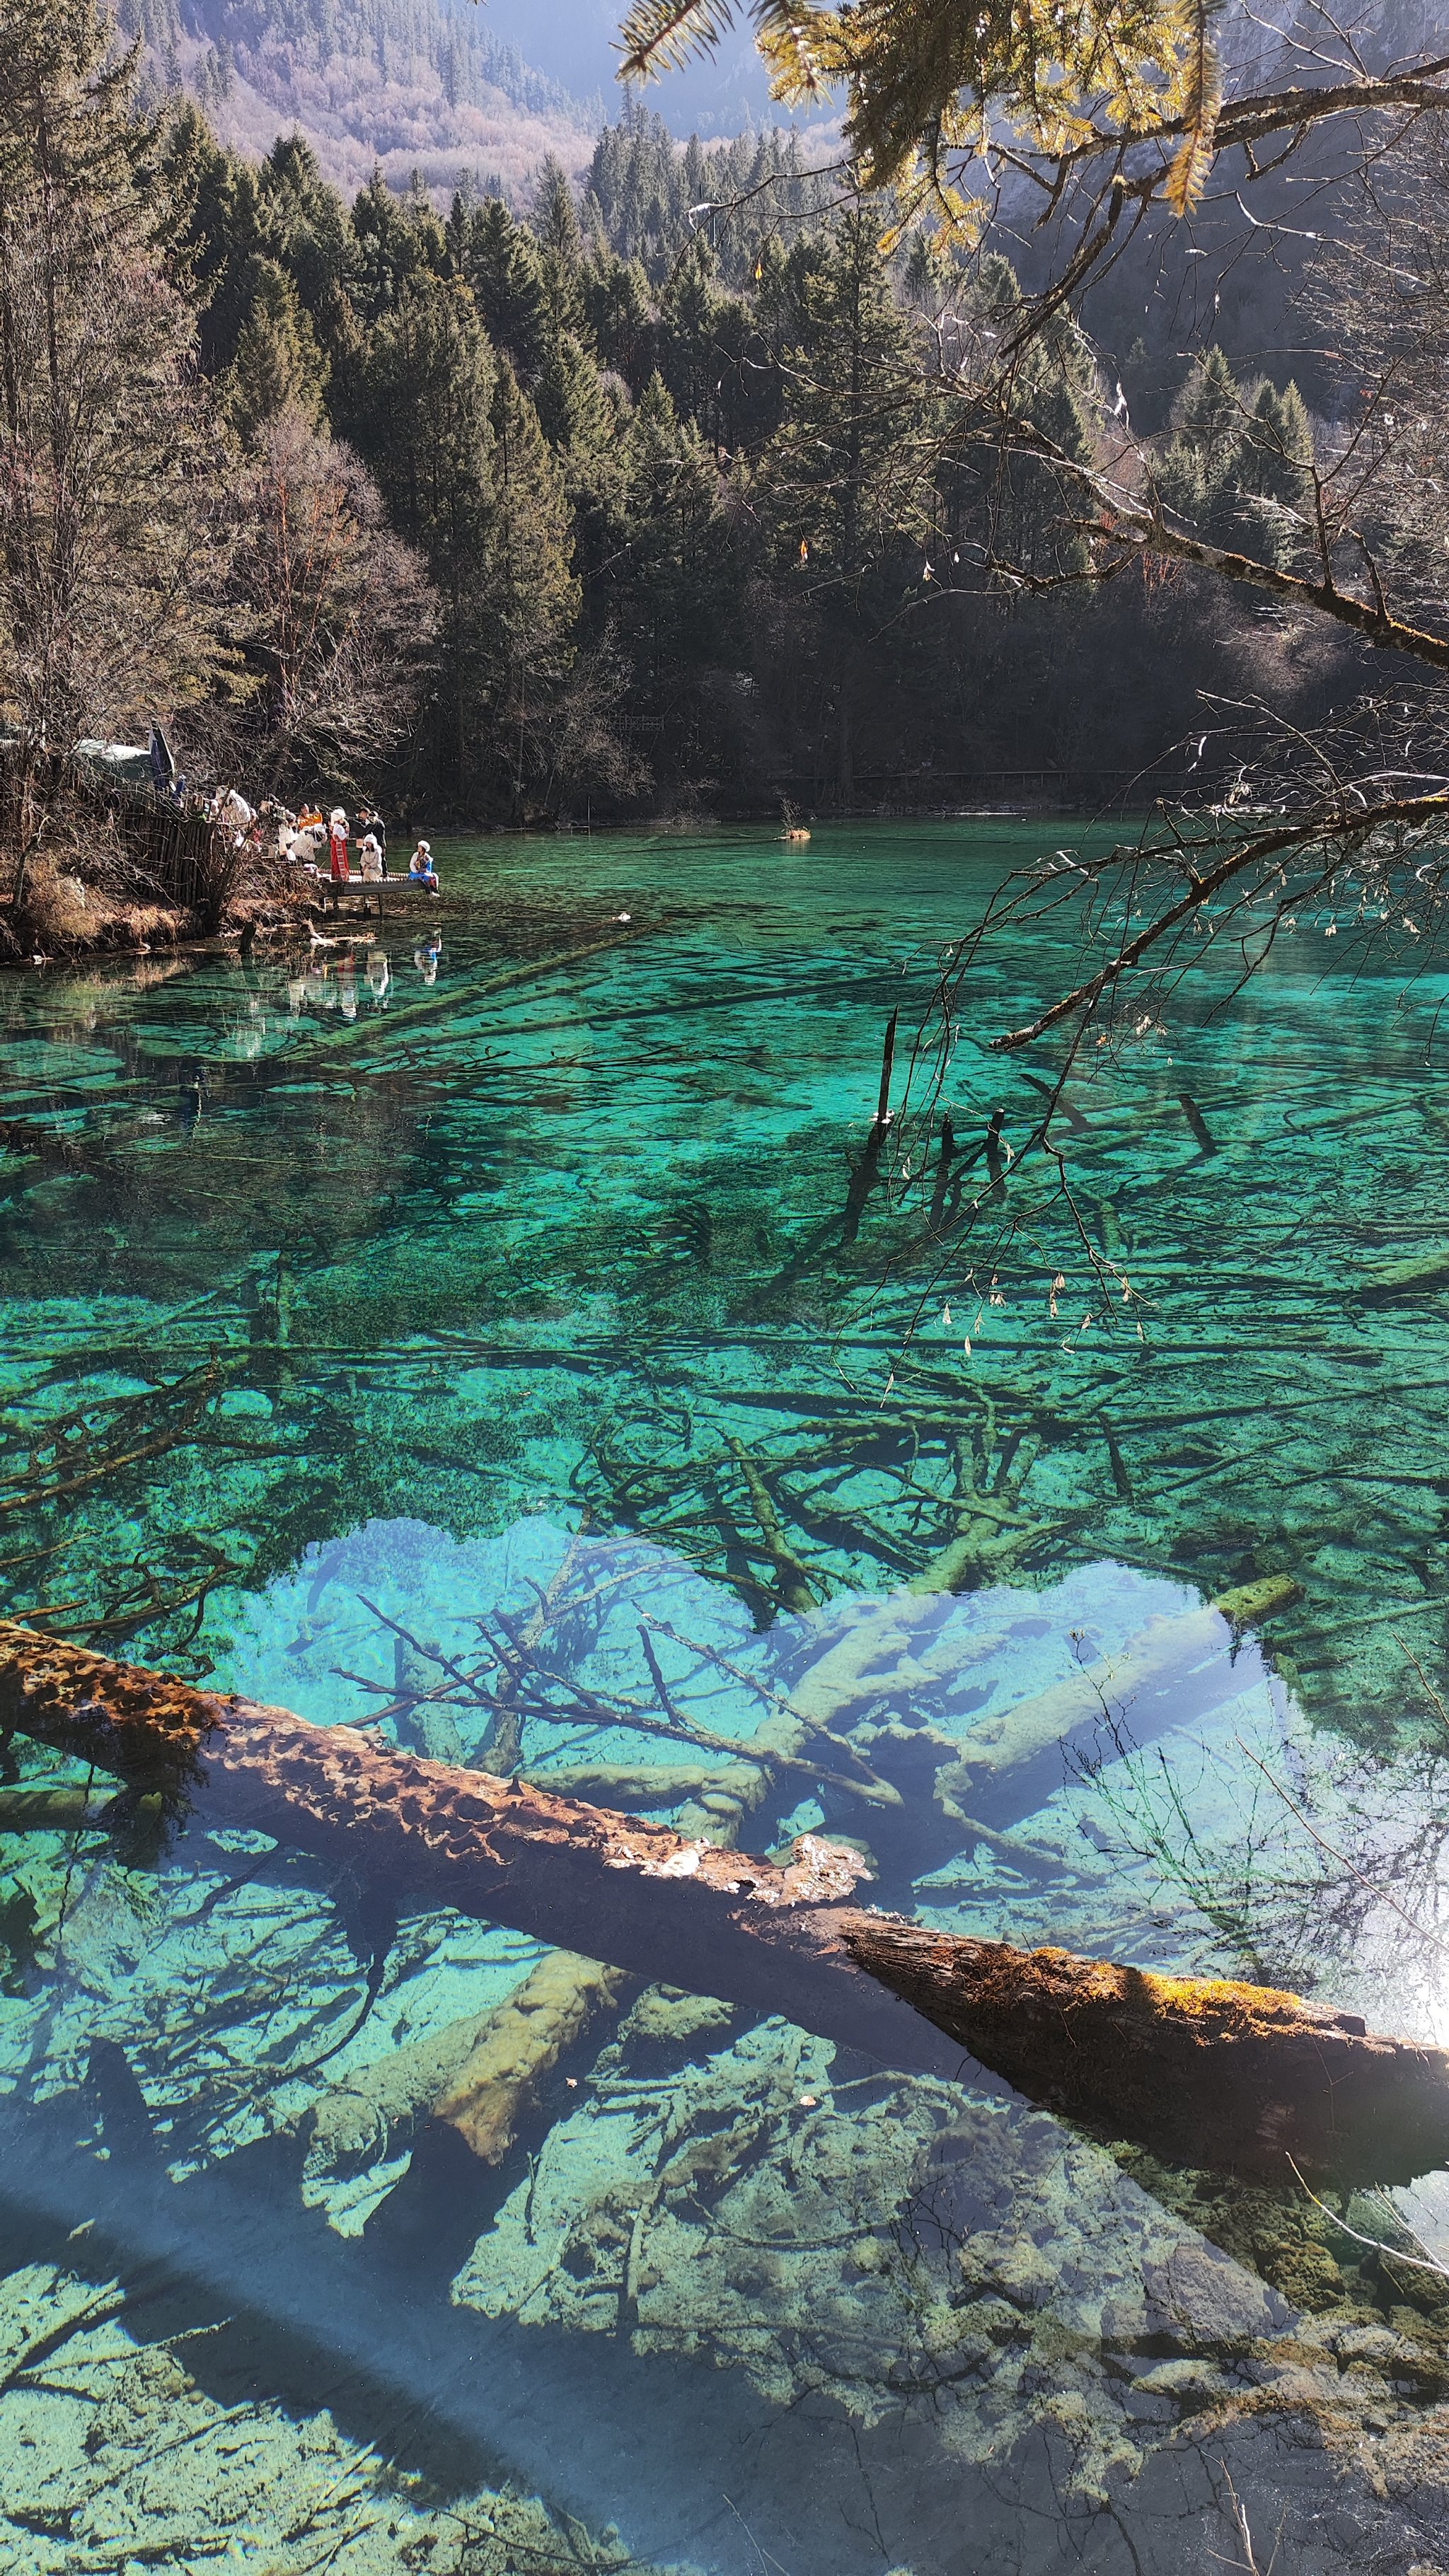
x=652 y=482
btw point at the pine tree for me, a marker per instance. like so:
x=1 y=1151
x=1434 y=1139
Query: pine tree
x=1034 y=504
x=531 y=593
x=1277 y=446
x=582 y=419
x=691 y=313
x=621 y=318
x=416 y=402
x=1199 y=471
x=841 y=475
x=182 y=175
x=842 y=483
x=502 y=264
x=305 y=227
x=1238 y=462
x=394 y=245
x=1274 y=472
x=225 y=237
x=112 y=498
x=573 y=402
x=278 y=367
x=676 y=595
x=561 y=249
x=1208 y=415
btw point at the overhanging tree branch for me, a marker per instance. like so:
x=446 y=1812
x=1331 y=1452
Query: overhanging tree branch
x=1124 y=524
x=1326 y=827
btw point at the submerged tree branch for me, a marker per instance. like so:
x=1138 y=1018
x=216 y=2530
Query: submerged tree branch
x=1201 y=2072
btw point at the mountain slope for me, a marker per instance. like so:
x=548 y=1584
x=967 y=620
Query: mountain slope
x=410 y=84
x=445 y=87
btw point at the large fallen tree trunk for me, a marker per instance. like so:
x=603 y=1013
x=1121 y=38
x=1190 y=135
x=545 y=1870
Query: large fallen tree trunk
x=1202 y=2073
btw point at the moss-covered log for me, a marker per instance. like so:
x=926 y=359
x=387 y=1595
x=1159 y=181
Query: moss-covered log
x=1235 y=2076
x=496 y=2087
x=481 y=2074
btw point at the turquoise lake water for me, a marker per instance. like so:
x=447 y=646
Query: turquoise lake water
x=410 y=1334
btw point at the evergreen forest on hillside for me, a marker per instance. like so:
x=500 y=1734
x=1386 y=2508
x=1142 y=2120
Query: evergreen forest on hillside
x=392 y=35
x=648 y=495
x=433 y=86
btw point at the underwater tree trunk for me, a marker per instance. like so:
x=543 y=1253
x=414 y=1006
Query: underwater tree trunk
x=1200 y=2072
x=1175 y=1667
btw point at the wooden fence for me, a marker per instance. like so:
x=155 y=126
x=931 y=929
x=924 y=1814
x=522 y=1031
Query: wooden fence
x=177 y=851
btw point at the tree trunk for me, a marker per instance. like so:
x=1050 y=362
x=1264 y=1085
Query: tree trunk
x=1202 y=2073
x=1176 y=1668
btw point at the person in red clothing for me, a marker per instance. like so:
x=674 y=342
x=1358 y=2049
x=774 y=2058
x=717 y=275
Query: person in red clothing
x=337 y=845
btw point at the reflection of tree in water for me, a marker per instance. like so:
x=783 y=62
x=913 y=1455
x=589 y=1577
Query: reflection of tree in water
x=1320 y=1858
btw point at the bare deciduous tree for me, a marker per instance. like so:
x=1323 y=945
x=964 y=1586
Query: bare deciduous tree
x=333 y=610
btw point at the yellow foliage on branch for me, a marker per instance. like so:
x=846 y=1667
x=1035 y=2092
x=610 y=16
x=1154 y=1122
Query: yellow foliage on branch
x=930 y=81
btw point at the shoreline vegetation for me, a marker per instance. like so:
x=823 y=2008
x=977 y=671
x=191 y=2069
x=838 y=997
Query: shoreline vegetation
x=627 y=500
x=108 y=874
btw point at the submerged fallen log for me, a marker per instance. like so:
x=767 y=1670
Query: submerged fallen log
x=1423 y=1274
x=1235 y=2076
x=646 y=1784
x=497 y=2085
x=1181 y=1665
x=481 y=2074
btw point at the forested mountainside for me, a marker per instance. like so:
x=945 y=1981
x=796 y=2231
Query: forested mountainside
x=689 y=520
x=453 y=88
x=401 y=84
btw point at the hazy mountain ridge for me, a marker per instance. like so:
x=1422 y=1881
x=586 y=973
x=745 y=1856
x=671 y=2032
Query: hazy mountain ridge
x=721 y=92
x=410 y=84
x=445 y=87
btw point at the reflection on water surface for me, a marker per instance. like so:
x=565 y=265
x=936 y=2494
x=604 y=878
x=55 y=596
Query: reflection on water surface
x=455 y=1332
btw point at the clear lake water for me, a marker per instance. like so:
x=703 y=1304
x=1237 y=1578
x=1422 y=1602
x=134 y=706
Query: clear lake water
x=481 y=1330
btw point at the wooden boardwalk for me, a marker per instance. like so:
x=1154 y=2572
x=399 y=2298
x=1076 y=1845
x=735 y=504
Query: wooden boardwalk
x=372 y=898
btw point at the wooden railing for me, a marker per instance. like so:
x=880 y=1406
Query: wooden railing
x=177 y=850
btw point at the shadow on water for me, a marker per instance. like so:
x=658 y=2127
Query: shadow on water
x=265 y=2304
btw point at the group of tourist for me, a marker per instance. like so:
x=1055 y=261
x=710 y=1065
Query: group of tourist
x=308 y=837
